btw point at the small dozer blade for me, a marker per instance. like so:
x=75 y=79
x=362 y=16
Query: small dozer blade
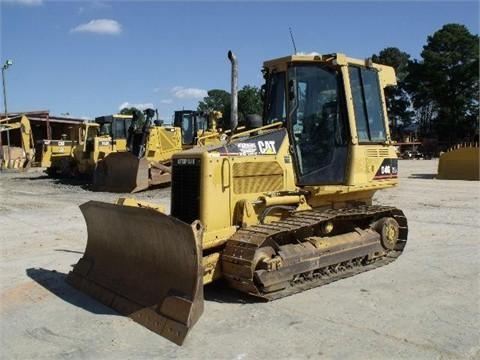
x=145 y=265
x=121 y=172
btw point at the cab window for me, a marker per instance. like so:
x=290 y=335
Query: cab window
x=318 y=124
x=187 y=128
x=275 y=105
x=367 y=102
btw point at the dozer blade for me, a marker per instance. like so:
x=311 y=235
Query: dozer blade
x=145 y=265
x=121 y=172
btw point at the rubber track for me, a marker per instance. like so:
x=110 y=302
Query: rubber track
x=238 y=255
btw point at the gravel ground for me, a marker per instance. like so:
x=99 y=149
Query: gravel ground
x=424 y=305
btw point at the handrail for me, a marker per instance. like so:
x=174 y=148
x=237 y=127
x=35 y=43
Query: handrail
x=200 y=139
x=269 y=126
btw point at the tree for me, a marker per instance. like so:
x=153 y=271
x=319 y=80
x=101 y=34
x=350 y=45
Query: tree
x=218 y=100
x=138 y=116
x=397 y=98
x=447 y=80
x=249 y=102
x=392 y=56
x=426 y=110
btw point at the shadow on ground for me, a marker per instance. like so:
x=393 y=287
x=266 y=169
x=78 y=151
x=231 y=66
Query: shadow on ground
x=84 y=183
x=54 y=282
x=220 y=292
x=423 y=176
x=70 y=251
x=40 y=177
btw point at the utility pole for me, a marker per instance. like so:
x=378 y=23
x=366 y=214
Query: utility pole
x=5 y=66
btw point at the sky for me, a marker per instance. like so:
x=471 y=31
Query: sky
x=91 y=58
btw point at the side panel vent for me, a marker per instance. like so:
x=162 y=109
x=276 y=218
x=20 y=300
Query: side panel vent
x=253 y=177
x=377 y=153
x=372 y=153
x=383 y=152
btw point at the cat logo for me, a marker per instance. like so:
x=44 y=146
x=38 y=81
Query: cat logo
x=267 y=147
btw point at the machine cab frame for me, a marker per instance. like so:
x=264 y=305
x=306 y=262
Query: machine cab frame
x=310 y=98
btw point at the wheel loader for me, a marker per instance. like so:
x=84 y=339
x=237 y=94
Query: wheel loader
x=18 y=157
x=276 y=210
x=150 y=147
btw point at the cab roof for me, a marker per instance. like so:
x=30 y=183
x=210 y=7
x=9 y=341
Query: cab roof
x=280 y=64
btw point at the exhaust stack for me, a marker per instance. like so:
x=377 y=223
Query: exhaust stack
x=234 y=92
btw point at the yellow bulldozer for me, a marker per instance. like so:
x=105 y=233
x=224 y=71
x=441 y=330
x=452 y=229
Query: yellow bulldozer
x=50 y=153
x=274 y=211
x=95 y=140
x=199 y=128
x=151 y=146
x=18 y=157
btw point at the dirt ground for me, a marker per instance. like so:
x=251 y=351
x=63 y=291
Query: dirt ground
x=424 y=305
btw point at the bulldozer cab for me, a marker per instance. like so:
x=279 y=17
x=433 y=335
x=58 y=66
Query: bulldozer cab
x=139 y=131
x=116 y=126
x=191 y=122
x=87 y=134
x=309 y=96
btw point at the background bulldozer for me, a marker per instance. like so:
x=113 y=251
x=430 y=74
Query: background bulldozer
x=150 y=149
x=274 y=211
x=20 y=156
x=198 y=128
x=48 y=153
x=95 y=141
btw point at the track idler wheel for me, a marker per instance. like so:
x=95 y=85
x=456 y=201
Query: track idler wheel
x=262 y=257
x=388 y=229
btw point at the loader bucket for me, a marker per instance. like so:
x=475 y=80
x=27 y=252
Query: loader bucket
x=121 y=172
x=460 y=163
x=144 y=264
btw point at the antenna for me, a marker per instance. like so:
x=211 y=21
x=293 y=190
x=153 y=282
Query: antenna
x=293 y=40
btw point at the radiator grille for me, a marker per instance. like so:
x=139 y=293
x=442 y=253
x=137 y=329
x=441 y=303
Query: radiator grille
x=185 y=200
x=253 y=177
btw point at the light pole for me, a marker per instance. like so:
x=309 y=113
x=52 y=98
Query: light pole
x=5 y=66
